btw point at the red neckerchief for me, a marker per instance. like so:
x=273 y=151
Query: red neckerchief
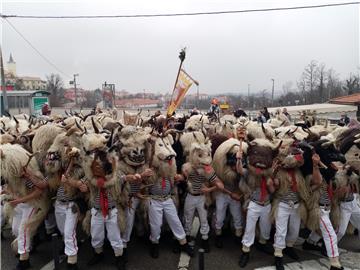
x=104 y=200
x=263 y=189
x=291 y=172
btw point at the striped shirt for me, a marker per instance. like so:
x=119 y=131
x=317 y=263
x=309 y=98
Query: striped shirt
x=324 y=195
x=63 y=196
x=162 y=187
x=197 y=180
x=256 y=196
x=134 y=188
x=29 y=184
x=111 y=201
x=290 y=196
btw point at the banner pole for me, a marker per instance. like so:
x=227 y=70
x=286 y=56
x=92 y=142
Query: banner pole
x=182 y=58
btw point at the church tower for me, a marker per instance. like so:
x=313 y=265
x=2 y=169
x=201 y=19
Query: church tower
x=11 y=66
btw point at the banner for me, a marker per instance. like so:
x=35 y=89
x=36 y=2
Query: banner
x=183 y=84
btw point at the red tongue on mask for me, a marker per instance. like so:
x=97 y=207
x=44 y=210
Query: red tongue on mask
x=207 y=168
x=170 y=161
x=298 y=157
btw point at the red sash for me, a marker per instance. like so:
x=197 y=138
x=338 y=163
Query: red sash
x=291 y=172
x=263 y=189
x=104 y=200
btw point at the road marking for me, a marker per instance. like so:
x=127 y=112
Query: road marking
x=184 y=260
x=50 y=265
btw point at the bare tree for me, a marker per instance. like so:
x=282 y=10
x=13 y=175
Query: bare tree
x=310 y=79
x=321 y=73
x=287 y=87
x=55 y=87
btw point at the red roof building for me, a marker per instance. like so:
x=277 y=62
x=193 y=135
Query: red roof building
x=353 y=99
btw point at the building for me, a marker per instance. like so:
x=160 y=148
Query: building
x=32 y=83
x=21 y=82
x=135 y=103
x=11 y=66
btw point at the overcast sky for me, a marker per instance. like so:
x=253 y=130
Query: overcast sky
x=225 y=53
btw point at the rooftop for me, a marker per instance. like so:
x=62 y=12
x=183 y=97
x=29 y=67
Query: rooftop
x=353 y=99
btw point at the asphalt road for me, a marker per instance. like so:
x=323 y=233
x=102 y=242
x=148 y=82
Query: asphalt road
x=139 y=258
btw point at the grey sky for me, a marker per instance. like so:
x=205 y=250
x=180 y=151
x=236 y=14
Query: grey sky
x=225 y=52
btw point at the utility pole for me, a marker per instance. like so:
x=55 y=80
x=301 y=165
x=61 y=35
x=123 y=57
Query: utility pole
x=197 y=96
x=272 y=93
x=76 y=99
x=3 y=86
x=249 y=96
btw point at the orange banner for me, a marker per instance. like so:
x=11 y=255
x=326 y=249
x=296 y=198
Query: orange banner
x=183 y=84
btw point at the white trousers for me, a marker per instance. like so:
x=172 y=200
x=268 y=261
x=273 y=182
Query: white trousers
x=349 y=211
x=197 y=203
x=50 y=222
x=255 y=212
x=222 y=202
x=130 y=218
x=66 y=222
x=22 y=213
x=287 y=224
x=328 y=234
x=98 y=225
x=156 y=211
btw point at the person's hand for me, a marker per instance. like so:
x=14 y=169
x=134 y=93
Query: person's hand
x=64 y=178
x=315 y=159
x=15 y=202
x=147 y=173
x=178 y=178
x=26 y=173
x=235 y=196
x=205 y=189
x=83 y=187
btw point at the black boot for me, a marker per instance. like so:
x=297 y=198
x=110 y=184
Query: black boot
x=290 y=251
x=279 y=265
x=97 y=257
x=187 y=249
x=120 y=263
x=218 y=241
x=22 y=265
x=154 y=250
x=205 y=245
x=176 y=246
x=336 y=268
x=72 y=266
x=244 y=259
x=266 y=248
x=125 y=255
x=307 y=246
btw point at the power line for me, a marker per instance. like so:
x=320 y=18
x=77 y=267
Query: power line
x=36 y=50
x=174 y=14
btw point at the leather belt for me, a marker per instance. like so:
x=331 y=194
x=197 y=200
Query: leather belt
x=261 y=203
x=347 y=200
x=65 y=201
x=195 y=194
x=110 y=208
x=160 y=197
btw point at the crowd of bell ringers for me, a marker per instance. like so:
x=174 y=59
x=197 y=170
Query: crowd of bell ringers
x=99 y=174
